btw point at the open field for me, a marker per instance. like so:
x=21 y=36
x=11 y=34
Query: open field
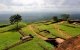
x=8 y=38
x=72 y=30
x=40 y=31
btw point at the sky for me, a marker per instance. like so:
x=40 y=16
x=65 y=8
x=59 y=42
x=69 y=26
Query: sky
x=60 y=6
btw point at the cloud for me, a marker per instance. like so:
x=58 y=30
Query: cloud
x=3 y=7
x=40 y=5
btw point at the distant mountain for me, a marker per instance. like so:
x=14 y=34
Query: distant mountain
x=75 y=16
x=37 y=16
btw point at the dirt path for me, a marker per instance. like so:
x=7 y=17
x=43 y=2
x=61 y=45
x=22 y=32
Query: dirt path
x=70 y=44
x=56 y=26
x=59 y=40
x=31 y=28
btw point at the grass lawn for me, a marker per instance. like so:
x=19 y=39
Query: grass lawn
x=35 y=44
x=41 y=27
x=70 y=30
x=11 y=27
x=8 y=38
x=50 y=27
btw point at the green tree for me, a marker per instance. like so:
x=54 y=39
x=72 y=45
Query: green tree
x=65 y=17
x=55 y=18
x=15 y=19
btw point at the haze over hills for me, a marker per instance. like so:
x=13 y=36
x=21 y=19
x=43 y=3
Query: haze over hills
x=38 y=9
x=37 y=16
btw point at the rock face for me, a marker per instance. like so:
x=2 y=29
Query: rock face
x=59 y=40
x=70 y=44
